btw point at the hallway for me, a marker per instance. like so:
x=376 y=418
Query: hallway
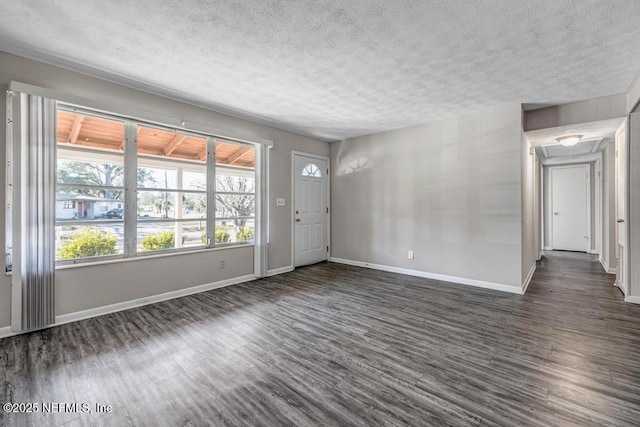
x=574 y=275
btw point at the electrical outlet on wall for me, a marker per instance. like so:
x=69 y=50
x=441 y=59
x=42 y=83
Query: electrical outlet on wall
x=410 y=255
x=280 y=201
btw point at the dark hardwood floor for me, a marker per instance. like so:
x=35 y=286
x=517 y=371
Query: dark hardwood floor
x=337 y=345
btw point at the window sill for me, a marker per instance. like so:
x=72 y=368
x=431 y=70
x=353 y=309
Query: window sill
x=150 y=256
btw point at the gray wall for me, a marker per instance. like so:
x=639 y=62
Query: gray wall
x=608 y=205
x=529 y=241
x=448 y=190
x=606 y=107
x=89 y=287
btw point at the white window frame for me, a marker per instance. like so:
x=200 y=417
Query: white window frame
x=97 y=106
x=130 y=160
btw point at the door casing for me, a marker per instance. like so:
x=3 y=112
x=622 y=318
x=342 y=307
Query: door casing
x=621 y=203
x=586 y=167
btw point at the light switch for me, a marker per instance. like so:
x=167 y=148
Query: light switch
x=280 y=202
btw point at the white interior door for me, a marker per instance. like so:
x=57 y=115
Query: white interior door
x=310 y=210
x=621 y=226
x=570 y=208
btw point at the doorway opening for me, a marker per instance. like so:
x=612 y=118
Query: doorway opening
x=578 y=195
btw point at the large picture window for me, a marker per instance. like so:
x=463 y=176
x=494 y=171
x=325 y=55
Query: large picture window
x=126 y=188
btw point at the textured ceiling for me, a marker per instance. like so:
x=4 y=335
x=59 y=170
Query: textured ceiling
x=336 y=69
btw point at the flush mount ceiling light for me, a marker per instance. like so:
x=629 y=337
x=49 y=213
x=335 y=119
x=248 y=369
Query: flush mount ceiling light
x=569 y=140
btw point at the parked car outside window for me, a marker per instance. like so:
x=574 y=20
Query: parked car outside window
x=115 y=213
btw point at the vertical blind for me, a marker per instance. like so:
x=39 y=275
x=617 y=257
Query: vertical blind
x=31 y=165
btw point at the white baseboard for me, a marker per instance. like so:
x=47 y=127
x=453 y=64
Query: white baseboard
x=547 y=248
x=635 y=300
x=623 y=288
x=527 y=280
x=539 y=256
x=435 y=276
x=606 y=267
x=594 y=252
x=280 y=270
x=126 y=305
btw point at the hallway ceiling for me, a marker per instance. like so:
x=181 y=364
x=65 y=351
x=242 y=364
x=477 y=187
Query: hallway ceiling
x=595 y=136
x=589 y=130
x=338 y=69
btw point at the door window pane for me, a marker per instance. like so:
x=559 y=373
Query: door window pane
x=311 y=171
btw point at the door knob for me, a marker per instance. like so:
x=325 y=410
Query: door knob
x=297 y=219
x=620 y=220
x=556 y=213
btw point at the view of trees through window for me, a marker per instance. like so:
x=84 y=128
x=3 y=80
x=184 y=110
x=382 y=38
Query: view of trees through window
x=170 y=187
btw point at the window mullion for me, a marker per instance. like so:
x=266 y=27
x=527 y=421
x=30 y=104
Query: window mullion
x=178 y=208
x=261 y=212
x=130 y=190
x=211 y=192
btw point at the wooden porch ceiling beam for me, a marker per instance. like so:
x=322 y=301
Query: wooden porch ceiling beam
x=236 y=155
x=75 y=128
x=173 y=144
x=202 y=155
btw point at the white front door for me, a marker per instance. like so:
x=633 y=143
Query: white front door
x=570 y=208
x=621 y=226
x=310 y=210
